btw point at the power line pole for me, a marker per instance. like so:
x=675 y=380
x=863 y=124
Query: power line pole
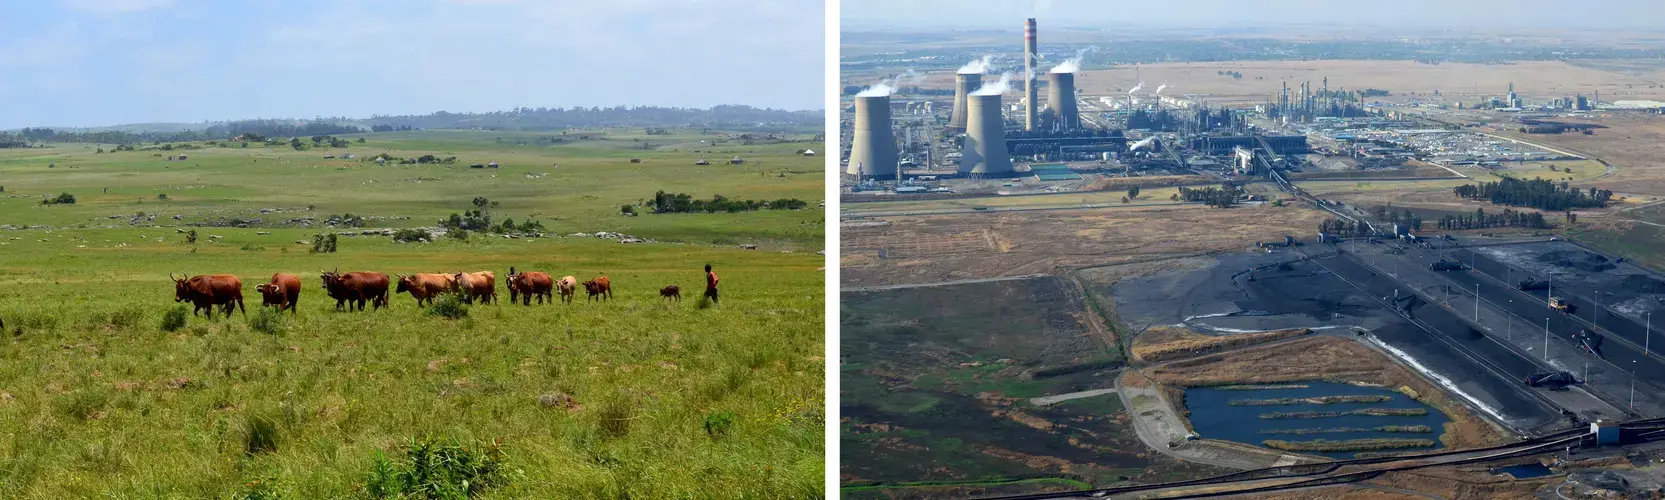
x=1546 y=339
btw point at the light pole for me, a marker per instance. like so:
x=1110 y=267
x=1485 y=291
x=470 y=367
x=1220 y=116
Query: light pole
x=1647 y=334
x=1476 y=302
x=1511 y=318
x=1546 y=339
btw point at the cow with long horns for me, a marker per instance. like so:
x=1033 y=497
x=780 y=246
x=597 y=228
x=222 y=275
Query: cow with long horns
x=206 y=291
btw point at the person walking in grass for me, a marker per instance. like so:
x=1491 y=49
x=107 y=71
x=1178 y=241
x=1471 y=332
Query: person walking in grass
x=710 y=284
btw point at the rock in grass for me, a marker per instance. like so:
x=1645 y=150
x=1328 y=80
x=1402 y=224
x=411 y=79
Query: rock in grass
x=559 y=400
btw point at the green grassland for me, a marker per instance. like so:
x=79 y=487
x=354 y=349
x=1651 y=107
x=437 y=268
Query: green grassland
x=673 y=400
x=583 y=193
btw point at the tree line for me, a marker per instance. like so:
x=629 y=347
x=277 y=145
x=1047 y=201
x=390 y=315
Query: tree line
x=1482 y=220
x=1224 y=196
x=668 y=203
x=1536 y=193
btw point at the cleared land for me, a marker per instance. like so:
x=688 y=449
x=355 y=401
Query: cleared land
x=588 y=399
x=929 y=249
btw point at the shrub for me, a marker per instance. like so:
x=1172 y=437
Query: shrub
x=174 y=319
x=410 y=235
x=457 y=234
x=719 y=423
x=268 y=321
x=616 y=415
x=434 y=470
x=627 y=210
x=126 y=316
x=449 y=305
x=162 y=196
x=62 y=199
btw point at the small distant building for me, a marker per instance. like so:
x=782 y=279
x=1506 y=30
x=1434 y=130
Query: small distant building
x=635 y=160
x=381 y=161
x=184 y=157
x=492 y=164
x=1606 y=431
x=736 y=161
x=809 y=152
x=329 y=157
x=701 y=162
x=348 y=156
x=476 y=165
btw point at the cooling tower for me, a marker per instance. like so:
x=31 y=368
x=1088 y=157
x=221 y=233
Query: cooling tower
x=964 y=85
x=985 y=153
x=873 y=145
x=1029 y=75
x=1061 y=99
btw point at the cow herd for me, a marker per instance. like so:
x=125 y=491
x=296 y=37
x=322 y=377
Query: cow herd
x=357 y=289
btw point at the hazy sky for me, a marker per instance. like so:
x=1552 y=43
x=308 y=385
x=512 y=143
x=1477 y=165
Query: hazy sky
x=107 y=62
x=1457 y=14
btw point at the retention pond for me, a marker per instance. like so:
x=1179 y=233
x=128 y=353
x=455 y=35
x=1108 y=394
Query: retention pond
x=1317 y=418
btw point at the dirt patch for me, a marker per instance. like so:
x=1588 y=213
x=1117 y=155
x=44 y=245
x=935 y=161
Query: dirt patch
x=1172 y=343
x=1330 y=359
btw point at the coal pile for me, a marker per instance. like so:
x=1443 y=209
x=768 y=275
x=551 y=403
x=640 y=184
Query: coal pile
x=1580 y=260
x=1642 y=284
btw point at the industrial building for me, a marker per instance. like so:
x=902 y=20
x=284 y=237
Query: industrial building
x=873 y=143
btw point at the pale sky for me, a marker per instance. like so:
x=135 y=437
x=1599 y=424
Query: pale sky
x=1457 y=14
x=107 y=62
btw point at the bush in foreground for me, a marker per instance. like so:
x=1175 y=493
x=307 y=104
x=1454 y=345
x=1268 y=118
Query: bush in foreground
x=434 y=470
x=174 y=319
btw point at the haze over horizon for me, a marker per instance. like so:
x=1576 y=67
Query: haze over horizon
x=97 y=63
x=1467 y=15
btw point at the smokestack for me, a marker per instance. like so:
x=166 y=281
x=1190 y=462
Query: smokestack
x=1060 y=99
x=964 y=85
x=1030 y=53
x=873 y=145
x=985 y=152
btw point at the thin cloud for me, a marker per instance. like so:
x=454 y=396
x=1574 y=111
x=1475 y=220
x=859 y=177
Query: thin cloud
x=116 y=6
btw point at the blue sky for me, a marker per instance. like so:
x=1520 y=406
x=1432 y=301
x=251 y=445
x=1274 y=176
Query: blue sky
x=107 y=62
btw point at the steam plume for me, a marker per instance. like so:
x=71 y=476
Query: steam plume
x=996 y=88
x=977 y=66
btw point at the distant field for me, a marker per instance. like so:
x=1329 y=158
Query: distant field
x=1146 y=196
x=668 y=399
x=582 y=194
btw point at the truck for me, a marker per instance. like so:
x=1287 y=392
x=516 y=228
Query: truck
x=1551 y=379
x=1589 y=341
x=1560 y=304
x=1531 y=284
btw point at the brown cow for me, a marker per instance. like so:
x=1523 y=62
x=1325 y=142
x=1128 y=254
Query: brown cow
x=284 y=291
x=424 y=286
x=207 y=291
x=529 y=284
x=671 y=292
x=356 y=288
x=599 y=287
x=568 y=286
x=481 y=285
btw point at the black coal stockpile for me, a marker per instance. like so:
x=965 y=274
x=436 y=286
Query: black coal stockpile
x=1580 y=260
x=1642 y=284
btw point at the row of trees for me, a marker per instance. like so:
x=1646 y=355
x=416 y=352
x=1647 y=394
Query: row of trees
x=1536 y=193
x=1483 y=220
x=1343 y=227
x=667 y=203
x=1224 y=196
x=1402 y=217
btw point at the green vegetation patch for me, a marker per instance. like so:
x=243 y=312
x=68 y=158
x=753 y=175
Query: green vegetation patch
x=1325 y=445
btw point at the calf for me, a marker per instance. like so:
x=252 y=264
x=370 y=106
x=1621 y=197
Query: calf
x=671 y=292
x=568 y=286
x=599 y=289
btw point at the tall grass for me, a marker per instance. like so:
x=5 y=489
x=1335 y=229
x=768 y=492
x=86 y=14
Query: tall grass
x=100 y=400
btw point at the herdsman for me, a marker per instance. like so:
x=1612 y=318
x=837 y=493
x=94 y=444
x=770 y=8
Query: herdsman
x=710 y=284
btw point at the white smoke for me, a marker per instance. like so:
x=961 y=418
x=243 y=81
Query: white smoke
x=1136 y=88
x=1142 y=143
x=1073 y=64
x=976 y=66
x=996 y=88
x=1160 y=87
x=878 y=89
x=889 y=85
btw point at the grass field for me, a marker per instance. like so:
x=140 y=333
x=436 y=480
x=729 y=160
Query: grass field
x=1147 y=196
x=668 y=400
